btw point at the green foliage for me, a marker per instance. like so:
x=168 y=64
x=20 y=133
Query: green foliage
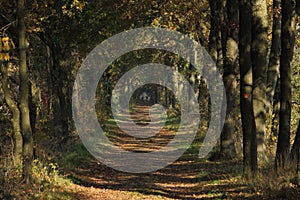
x=74 y=156
x=203 y=175
x=275 y=185
x=47 y=183
x=295 y=87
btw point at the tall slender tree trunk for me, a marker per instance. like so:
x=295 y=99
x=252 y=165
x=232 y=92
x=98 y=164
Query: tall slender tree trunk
x=273 y=66
x=24 y=93
x=246 y=106
x=60 y=89
x=273 y=83
x=222 y=38
x=229 y=76
x=259 y=52
x=275 y=109
x=18 y=140
x=215 y=36
x=62 y=109
x=288 y=30
x=214 y=30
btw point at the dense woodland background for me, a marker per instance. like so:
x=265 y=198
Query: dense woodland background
x=256 y=47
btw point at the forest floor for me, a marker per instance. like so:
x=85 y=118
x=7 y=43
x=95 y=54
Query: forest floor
x=181 y=180
x=187 y=178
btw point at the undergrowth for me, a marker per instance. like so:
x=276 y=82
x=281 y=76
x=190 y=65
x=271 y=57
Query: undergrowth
x=47 y=183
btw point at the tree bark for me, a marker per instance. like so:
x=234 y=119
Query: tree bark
x=62 y=109
x=259 y=51
x=288 y=30
x=229 y=77
x=18 y=140
x=275 y=109
x=24 y=93
x=298 y=7
x=222 y=39
x=295 y=153
x=273 y=67
x=246 y=106
x=273 y=70
x=215 y=35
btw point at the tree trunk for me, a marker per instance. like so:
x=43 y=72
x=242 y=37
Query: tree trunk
x=298 y=7
x=295 y=153
x=246 y=106
x=215 y=37
x=259 y=51
x=288 y=29
x=275 y=110
x=273 y=67
x=273 y=84
x=61 y=106
x=230 y=69
x=18 y=140
x=24 y=93
x=221 y=42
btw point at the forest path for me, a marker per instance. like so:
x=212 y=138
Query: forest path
x=186 y=178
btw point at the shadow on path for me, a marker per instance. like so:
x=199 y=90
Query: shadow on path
x=187 y=178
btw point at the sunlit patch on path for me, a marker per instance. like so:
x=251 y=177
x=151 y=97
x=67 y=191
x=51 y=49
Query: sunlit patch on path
x=187 y=178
